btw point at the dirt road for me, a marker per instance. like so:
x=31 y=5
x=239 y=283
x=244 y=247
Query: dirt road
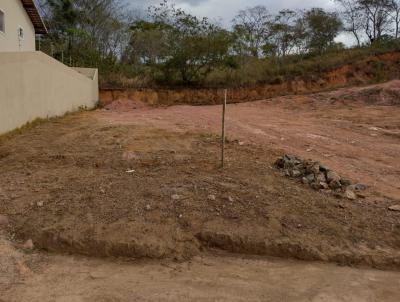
x=204 y=278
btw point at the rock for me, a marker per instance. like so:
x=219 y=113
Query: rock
x=335 y=184
x=316 y=186
x=320 y=177
x=315 y=169
x=345 y=182
x=289 y=161
x=28 y=245
x=332 y=176
x=291 y=158
x=175 y=197
x=212 y=197
x=323 y=185
x=357 y=187
x=4 y=221
x=360 y=187
x=351 y=187
x=40 y=204
x=296 y=173
x=395 y=208
x=310 y=177
x=148 y=207
x=323 y=168
x=349 y=194
x=280 y=163
x=305 y=180
x=231 y=199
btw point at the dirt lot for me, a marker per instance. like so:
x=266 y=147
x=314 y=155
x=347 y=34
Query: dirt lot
x=146 y=182
x=143 y=183
x=355 y=131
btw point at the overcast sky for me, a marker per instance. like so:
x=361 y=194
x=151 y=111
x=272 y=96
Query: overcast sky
x=225 y=10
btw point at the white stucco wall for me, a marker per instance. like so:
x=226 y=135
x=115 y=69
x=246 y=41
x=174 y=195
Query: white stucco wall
x=15 y=17
x=34 y=85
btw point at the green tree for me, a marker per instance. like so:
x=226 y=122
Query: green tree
x=89 y=32
x=287 y=32
x=148 y=43
x=321 y=28
x=188 y=48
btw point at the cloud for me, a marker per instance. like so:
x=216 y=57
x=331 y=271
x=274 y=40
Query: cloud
x=192 y=2
x=225 y=10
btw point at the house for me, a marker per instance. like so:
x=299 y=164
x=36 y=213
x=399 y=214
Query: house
x=20 y=21
x=32 y=84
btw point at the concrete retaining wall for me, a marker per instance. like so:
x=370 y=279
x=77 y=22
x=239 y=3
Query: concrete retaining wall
x=34 y=85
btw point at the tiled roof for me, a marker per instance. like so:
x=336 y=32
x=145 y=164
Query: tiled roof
x=35 y=17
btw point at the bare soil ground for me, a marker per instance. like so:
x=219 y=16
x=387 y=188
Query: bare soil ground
x=355 y=131
x=146 y=183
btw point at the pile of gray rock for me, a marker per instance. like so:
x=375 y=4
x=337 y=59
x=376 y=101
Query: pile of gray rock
x=319 y=177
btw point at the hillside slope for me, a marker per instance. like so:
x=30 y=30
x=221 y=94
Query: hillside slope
x=373 y=69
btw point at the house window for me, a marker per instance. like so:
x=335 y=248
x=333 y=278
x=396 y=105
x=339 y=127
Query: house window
x=20 y=33
x=2 y=22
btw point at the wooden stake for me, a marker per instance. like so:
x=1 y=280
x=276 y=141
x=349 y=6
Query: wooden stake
x=223 y=131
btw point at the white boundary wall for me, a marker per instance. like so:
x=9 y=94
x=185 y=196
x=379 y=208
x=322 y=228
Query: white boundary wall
x=34 y=85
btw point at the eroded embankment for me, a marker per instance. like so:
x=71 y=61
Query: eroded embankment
x=370 y=70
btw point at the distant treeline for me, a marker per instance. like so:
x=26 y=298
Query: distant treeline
x=168 y=46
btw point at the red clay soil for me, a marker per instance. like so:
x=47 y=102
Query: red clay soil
x=146 y=182
x=355 y=131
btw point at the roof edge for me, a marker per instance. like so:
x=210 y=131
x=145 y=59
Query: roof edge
x=36 y=19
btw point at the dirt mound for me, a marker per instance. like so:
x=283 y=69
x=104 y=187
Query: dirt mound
x=124 y=105
x=169 y=199
x=387 y=94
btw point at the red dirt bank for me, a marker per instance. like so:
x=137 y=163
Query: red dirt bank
x=369 y=70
